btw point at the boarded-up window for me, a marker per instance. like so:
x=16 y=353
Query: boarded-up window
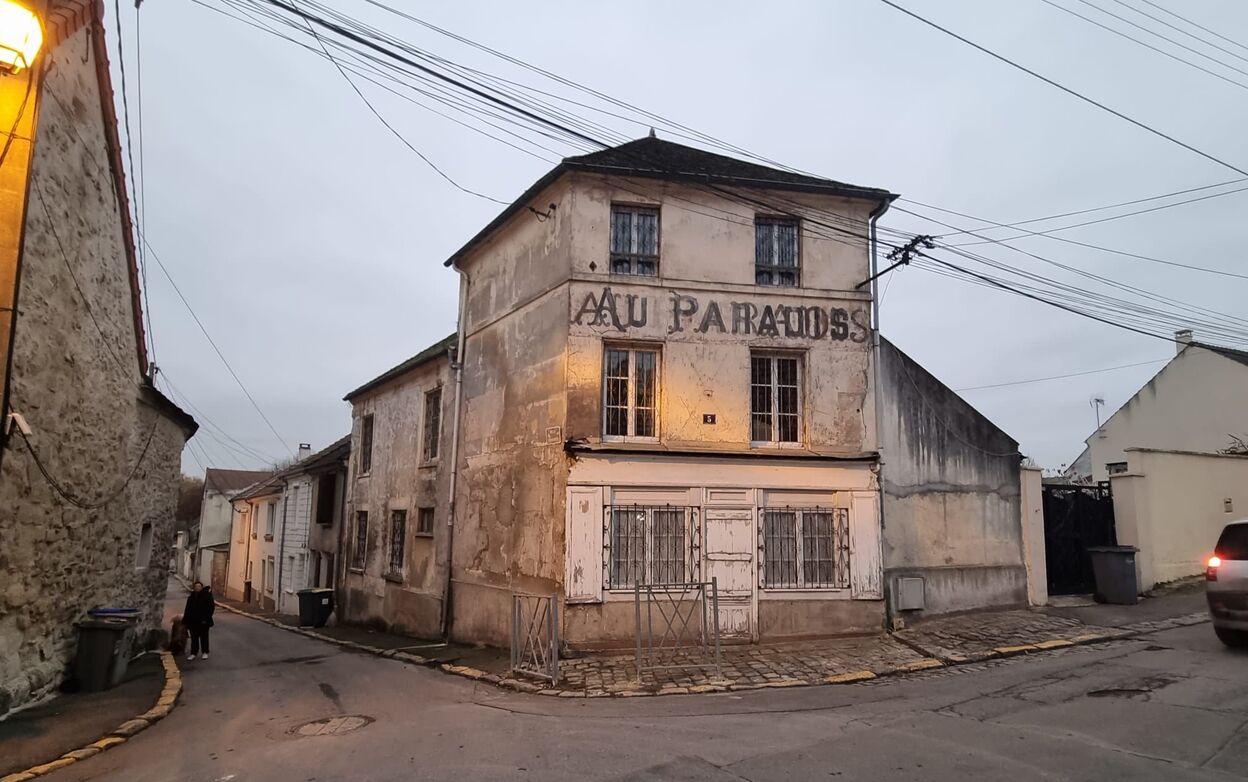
x=630 y=384
x=398 y=540
x=634 y=240
x=359 y=552
x=775 y=399
x=433 y=423
x=366 y=445
x=424 y=521
x=776 y=259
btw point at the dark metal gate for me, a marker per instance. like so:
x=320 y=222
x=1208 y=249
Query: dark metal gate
x=1075 y=518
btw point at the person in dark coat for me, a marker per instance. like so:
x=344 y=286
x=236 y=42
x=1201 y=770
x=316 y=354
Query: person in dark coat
x=198 y=617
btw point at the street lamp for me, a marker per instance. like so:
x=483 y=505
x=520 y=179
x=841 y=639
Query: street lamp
x=21 y=35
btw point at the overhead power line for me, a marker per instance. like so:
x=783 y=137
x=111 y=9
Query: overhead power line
x=1178 y=29
x=1067 y=90
x=1194 y=24
x=1061 y=377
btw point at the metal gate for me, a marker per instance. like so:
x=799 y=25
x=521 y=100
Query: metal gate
x=677 y=625
x=535 y=635
x=1075 y=518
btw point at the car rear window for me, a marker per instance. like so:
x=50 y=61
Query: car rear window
x=1234 y=542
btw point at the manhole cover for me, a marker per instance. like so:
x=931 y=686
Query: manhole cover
x=333 y=726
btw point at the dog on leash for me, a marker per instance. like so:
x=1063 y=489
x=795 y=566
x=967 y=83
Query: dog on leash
x=178 y=636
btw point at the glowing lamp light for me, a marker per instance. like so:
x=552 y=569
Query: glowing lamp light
x=1215 y=561
x=21 y=35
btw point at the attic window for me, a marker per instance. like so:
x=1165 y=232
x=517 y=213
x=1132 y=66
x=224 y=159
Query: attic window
x=635 y=240
x=776 y=256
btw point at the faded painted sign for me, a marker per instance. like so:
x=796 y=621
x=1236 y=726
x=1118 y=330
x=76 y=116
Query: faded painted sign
x=687 y=313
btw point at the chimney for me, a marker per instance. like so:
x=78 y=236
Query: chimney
x=1182 y=338
x=305 y=450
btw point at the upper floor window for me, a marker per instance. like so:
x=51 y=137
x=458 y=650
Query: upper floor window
x=398 y=540
x=424 y=521
x=433 y=423
x=630 y=386
x=366 y=445
x=776 y=260
x=775 y=403
x=635 y=240
x=270 y=519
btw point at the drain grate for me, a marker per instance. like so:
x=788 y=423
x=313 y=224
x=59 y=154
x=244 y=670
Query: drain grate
x=333 y=726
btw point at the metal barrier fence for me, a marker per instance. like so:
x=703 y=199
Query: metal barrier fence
x=535 y=635
x=677 y=625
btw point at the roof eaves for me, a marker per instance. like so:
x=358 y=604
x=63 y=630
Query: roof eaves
x=430 y=353
x=507 y=213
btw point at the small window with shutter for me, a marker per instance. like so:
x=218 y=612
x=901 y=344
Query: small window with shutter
x=635 y=240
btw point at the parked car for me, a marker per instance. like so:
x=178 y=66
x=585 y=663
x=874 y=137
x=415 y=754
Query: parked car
x=1226 y=585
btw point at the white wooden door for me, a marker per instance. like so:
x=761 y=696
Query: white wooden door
x=729 y=545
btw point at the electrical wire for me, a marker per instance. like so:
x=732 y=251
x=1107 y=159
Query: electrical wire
x=1194 y=24
x=1061 y=377
x=72 y=498
x=1178 y=29
x=141 y=206
x=1067 y=90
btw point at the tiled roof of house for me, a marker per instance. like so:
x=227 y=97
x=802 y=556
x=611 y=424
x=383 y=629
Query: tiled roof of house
x=230 y=481
x=438 y=349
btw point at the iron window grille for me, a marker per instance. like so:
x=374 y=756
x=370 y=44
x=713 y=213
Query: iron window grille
x=630 y=392
x=804 y=548
x=635 y=240
x=366 y=445
x=775 y=399
x=776 y=255
x=398 y=540
x=359 y=552
x=433 y=423
x=650 y=545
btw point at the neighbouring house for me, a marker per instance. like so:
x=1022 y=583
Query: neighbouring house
x=89 y=475
x=310 y=518
x=1194 y=403
x=397 y=494
x=665 y=372
x=216 y=520
x=253 y=548
x=1163 y=456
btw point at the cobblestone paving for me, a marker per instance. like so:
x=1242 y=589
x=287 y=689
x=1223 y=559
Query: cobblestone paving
x=981 y=636
x=746 y=667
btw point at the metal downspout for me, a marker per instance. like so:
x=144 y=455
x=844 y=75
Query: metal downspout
x=459 y=399
x=876 y=214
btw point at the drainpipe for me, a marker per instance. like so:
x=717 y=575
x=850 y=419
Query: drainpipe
x=281 y=551
x=876 y=214
x=458 y=366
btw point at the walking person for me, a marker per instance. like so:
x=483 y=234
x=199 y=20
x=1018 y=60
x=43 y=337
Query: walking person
x=198 y=618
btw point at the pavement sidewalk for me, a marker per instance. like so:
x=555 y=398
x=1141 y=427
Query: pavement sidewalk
x=34 y=735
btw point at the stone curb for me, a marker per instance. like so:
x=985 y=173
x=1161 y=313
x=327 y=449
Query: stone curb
x=933 y=661
x=118 y=735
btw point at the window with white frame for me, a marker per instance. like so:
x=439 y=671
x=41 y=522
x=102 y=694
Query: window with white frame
x=433 y=423
x=269 y=565
x=630 y=390
x=270 y=520
x=775 y=398
x=635 y=240
x=650 y=544
x=804 y=548
x=776 y=257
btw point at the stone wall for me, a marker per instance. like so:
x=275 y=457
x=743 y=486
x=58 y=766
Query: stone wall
x=77 y=379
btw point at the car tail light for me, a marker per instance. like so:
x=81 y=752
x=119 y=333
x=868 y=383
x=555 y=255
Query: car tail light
x=1211 y=572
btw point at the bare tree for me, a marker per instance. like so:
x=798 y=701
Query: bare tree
x=1238 y=446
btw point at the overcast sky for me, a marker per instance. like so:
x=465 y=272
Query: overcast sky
x=310 y=241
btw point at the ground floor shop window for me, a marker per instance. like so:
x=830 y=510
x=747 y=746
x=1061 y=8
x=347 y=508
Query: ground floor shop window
x=804 y=548
x=650 y=545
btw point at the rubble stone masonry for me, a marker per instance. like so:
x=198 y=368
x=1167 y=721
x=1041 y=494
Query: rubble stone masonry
x=77 y=378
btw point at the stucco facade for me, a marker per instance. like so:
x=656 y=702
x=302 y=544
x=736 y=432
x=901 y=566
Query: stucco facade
x=112 y=443
x=1195 y=403
x=395 y=534
x=953 y=506
x=1172 y=505
x=543 y=486
x=216 y=521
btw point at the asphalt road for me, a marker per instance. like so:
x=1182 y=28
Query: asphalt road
x=1172 y=706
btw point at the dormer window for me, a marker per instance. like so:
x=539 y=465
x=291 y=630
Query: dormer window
x=635 y=240
x=776 y=260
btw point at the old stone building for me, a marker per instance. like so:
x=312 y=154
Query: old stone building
x=87 y=498
x=395 y=572
x=665 y=372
